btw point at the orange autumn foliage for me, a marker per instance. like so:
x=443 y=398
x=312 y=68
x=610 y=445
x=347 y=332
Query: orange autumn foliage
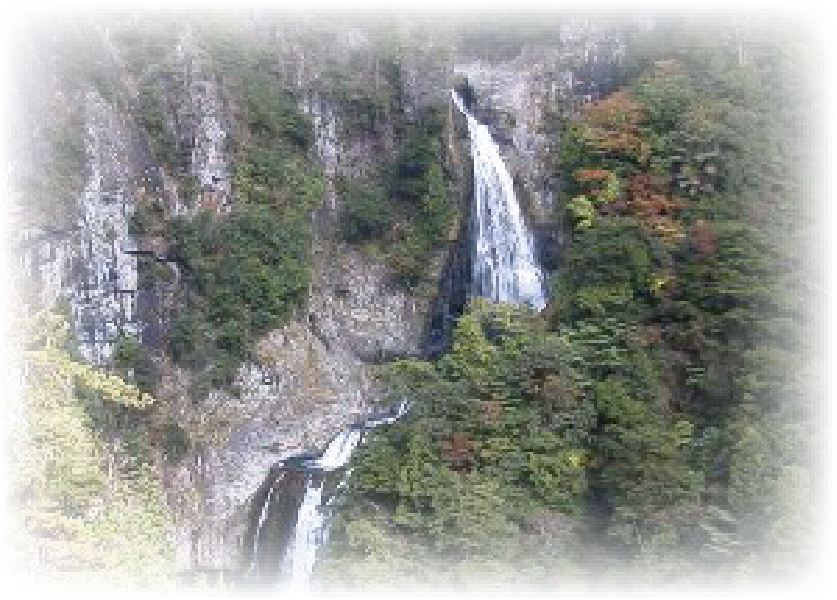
x=457 y=450
x=613 y=124
x=704 y=237
x=591 y=174
x=654 y=204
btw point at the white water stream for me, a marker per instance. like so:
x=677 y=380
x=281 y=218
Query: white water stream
x=504 y=265
x=311 y=529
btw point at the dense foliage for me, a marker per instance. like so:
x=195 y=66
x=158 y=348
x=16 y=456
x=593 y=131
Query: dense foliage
x=88 y=504
x=408 y=209
x=425 y=198
x=495 y=445
x=654 y=418
x=244 y=272
x=367 y=214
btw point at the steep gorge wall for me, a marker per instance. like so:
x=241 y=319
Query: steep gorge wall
x=316 y=374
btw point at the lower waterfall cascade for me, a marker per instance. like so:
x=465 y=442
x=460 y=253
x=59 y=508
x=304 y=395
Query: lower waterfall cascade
x=309 y=534
x=311 y=528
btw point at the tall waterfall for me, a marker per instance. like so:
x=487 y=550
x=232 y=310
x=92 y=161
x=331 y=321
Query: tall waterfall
x=504 y=264
x=311 y=528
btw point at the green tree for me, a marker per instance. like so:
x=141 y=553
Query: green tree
x=82 y=512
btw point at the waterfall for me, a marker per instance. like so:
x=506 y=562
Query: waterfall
x=504 y=265
x=308 y=536
x=339 y=451
x=311 y=528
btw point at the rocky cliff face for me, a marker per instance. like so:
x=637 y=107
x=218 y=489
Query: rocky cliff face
x=353 y=306
x=315 y=375
x=89 y=265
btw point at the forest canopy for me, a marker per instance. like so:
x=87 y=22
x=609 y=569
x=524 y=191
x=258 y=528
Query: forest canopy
x=653 y=421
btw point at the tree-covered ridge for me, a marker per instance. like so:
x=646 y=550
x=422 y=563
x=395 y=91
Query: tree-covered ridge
x=655 y=418
x=494 y=446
